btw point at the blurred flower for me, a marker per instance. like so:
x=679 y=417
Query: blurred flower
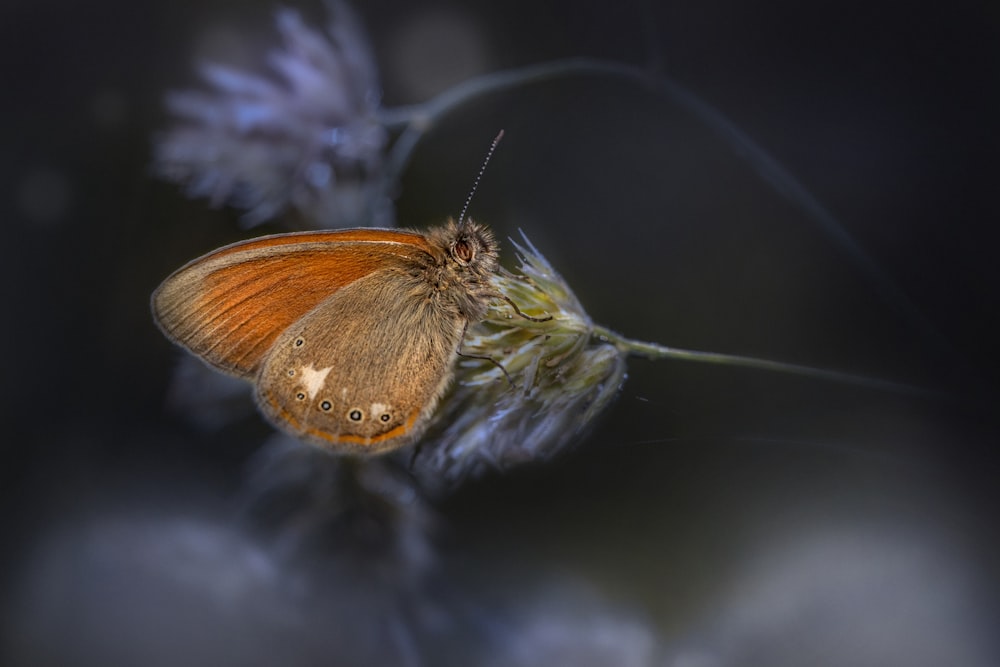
x=899 y=593
x=309 y=140
x=150 y=578
x=523 y=389
x=366 y=514
x=568 y=623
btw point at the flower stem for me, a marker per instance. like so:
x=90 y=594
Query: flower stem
x=656 y=351
x=415 y=120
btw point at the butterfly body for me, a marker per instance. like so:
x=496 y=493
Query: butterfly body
x=348 y=336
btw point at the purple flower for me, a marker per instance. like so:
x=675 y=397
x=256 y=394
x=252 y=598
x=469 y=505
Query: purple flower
x=307 y=139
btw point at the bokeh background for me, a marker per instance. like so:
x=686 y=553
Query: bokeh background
x=713 y=516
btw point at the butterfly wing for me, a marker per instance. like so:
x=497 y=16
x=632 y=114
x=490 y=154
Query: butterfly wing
x=363 y=370
x=229 y=306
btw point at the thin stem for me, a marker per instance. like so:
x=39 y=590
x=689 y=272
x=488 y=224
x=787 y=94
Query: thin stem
x=399 y=157
x=416 y=120
x=656 y=351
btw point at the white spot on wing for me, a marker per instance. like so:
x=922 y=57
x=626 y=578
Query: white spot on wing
x=313 y=379
x=379 y=408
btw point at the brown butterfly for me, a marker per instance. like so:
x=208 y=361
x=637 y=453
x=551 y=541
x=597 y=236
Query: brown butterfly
x=348 y=336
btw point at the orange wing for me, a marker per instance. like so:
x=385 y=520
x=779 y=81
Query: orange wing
x=230 y=305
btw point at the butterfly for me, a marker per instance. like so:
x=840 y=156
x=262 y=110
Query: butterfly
x=348 y=336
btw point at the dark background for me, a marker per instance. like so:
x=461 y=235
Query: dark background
x=697 y=475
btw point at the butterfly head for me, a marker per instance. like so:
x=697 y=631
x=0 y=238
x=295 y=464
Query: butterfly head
x=470 y=259
x=471 y=248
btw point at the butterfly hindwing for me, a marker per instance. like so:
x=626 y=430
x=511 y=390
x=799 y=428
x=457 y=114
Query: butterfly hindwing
x=365 y=366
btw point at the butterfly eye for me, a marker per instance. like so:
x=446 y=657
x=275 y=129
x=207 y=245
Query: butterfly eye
x=355 y=415
x=463 y=251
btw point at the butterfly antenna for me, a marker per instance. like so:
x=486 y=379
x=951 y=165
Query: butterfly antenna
x=475 y=184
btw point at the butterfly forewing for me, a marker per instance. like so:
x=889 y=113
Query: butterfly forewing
x=318 y=384
x=230 y=306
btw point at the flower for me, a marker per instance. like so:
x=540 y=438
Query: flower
x=365 y=514
x=524 y=387
x=309 y=140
